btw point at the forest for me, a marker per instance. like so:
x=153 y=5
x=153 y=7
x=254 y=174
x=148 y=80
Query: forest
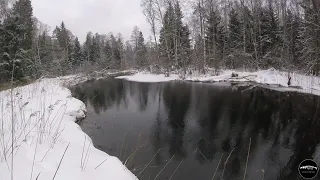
x=186 y=34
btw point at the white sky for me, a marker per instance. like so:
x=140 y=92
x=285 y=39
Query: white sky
x=101 y=16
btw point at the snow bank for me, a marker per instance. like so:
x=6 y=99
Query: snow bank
x=275 y=79
x=47 y=142
x=148 y=77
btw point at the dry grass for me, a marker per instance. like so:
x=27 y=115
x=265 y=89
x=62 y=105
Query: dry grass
x=245 y=171
x=225 y=163
x=217 y=167
x=164 y=167
x=148 y=163
x=33 y=125
x=60 y=161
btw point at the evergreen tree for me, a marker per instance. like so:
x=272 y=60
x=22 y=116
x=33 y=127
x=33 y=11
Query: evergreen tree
x=2 y=64
x=141 y=51
x=65 y=50
x=174 y=38
x=182 y=41
x=97 y=47
x=235 y=31
x=178 y=28
x=23 y=11
x=118 y=53
x=247 y=30
x=108 y=53
x=310 y=36
x=17 y=39
x=214 y=38
x=269 y=38
x=87 y=47
x=94 y=51
x=44 y=52
x=185 y=47
x=128 y=54
x=63 y=37
x=166 y=46
x=77 y=59
x=135 y=36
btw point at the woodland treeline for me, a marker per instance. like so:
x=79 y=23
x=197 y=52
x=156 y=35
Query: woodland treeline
x=232 y=34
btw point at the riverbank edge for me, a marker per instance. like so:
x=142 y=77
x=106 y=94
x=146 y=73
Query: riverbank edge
x=269 y=79
x=76 y=111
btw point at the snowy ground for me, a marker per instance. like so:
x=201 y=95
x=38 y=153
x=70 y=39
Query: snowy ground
x=274 y=79
x=148 y=77
x=47 y=143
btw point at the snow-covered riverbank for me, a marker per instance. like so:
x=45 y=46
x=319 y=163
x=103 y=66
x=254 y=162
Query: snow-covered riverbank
x=270 y=78
x=47 y=142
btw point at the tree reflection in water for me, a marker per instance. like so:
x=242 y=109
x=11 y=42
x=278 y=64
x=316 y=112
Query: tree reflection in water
x=199 y=122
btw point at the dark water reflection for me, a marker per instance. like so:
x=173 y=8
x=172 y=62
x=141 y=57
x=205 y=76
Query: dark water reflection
x=197 y=124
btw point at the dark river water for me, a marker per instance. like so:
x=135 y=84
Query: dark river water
x=180 y=130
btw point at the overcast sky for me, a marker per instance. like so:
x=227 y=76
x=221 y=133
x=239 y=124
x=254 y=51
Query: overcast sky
x=102 y=16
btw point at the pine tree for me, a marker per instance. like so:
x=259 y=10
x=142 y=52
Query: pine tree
x=128 y=54
x=235 y=35
x=17 y=36
x=23 y=11
x=77 y=59
x=141 y=51
x=182 y=41
x=97 y=47
x=178 y=28
x=185 y=47
x=2 y=64
x=269 y=37
x=87 y=47
x=214 y=38
x=65 y=50
x=166 y=46
x=174 y=38
x=108 y=54
x=119 y=53
x=93 y=52
x=63 y=36
x=310 y=36
x=44 y=52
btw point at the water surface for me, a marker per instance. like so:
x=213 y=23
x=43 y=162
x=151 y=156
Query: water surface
x=195 y=125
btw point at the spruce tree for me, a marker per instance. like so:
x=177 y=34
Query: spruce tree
x=108 y=54
x=17 y=34
x=166 y=46
x=185 y=47
x=2 y=65
x=118 y=53
x=87 y=47
x=141 y=51
x=97 y=47
x=182 y=41
x=214 y=38
x=178 y=28
x=93 y=54
x=310 y=36
x=23 y=11
x=235 y=31
x=77 y=59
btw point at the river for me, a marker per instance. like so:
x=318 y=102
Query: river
x=181 y=130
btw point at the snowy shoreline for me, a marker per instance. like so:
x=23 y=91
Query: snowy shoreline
x=270 y=79
x=47 y=141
